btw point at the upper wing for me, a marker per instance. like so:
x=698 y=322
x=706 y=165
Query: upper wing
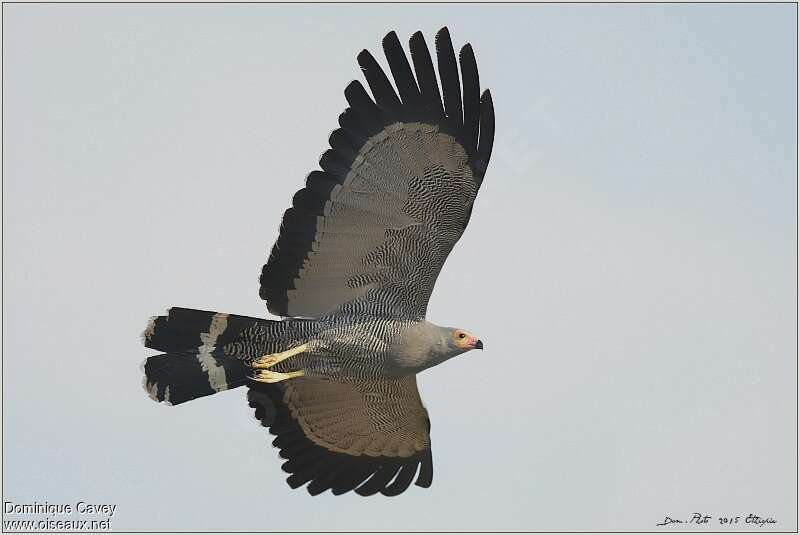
x=343 y=437
x=395 y=191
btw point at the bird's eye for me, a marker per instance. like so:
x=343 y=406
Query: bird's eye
x=462 y=335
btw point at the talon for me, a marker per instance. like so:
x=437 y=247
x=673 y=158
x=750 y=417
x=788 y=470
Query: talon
x=269 y=360
x=269 y=376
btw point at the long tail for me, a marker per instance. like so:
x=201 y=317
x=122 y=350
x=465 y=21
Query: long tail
x=205 y=352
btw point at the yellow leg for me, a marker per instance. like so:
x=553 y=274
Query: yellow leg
x=269 y=376
x=270 y=360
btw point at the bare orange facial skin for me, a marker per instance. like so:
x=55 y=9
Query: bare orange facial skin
x=466 y=341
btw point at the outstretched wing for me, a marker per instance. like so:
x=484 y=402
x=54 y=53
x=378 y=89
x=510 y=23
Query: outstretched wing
x=369 y=437
x=373 y=228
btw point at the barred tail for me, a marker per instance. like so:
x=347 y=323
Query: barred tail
x=201 y=358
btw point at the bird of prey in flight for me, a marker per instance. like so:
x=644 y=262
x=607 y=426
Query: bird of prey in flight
x=350 y=274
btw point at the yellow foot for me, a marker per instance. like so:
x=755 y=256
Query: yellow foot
x=268 y=376
x=270 y=360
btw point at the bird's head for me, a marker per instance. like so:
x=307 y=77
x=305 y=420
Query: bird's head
x=461 y=341
x=424 y=344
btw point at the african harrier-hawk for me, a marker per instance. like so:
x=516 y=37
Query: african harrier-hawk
x=357 y=257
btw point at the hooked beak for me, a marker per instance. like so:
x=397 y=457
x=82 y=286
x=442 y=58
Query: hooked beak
x=477 y=344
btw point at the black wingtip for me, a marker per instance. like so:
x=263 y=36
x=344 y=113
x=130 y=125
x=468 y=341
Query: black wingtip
x=486 y=100
x=382 y=90
x=425 y=475
x=471 y=88
x=352 y=86
x=486 y=136
x=362 y=58
x=392 y=35
x=442 y=38
x=487 y=96
x=449 y=79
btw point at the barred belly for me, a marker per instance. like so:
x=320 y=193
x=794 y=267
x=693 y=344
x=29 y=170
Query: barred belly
x=351 y=349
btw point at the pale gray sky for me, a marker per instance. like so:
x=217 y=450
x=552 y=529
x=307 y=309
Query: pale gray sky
x=630 y=263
